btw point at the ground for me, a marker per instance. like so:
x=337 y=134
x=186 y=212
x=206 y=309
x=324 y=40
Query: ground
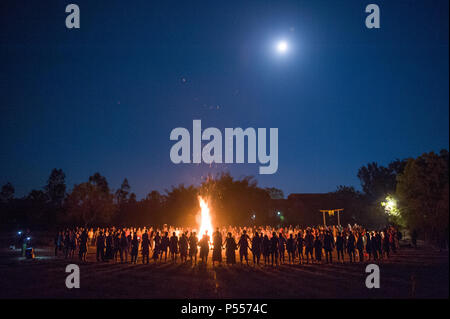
x=44 y=277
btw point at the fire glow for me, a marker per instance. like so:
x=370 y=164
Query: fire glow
x=205 y=221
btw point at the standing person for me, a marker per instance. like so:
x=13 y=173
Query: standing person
x=368 y=245
x=145 y=248
x=173 y=247
x=116 y=245
x=58 y=242
x=274 y=248
x=66 y=244
x=73 y=243
x=300 y=244
x=256 y=248
x=374 y=247
x=134 y=248
x=414 y=236
x=164 y=246
x=328 y=245
x=243 y=246
x=266 y=249
x=340 y=247
x=281 y=247
x=109 y=246
x=378 y=242
x=204 y=248
x=230 y=249
x=83 y=245
x=193 y=243
x=123 y=247
x=156 y=249
x=386 y=243
x=392 y=240
x=100 y=247
x=318 y=249
x=217 y=247
x=351 y=246
x=91 y=237
x=309 y=245
x=183 y=247
x=360 y=247
x=290 y=247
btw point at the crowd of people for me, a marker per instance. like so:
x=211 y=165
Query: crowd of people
x=268 y=245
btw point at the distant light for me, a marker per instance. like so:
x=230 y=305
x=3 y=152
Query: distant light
x=19 y=233
x=278 y=213
x=28 y=238
x=282 y=47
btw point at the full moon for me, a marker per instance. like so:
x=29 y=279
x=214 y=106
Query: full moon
x=282 y=46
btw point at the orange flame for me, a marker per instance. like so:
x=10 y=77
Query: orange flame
x=205 y=221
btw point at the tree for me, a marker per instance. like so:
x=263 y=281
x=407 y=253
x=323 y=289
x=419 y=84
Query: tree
x=422 y=191
x=122 y=193
x=275 y=193
x=56 y=187
x=99 y=181
x=36 y=209
x=378 y=181
x=91 y=203
x=7 y=193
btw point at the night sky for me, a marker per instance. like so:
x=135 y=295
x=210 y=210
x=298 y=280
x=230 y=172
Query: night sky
x=105 y=97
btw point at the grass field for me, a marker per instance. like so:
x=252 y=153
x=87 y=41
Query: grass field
x=44 y=277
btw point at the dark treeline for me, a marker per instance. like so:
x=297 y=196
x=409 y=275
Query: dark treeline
x=420 y=185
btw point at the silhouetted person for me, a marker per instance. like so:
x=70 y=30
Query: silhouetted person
x=164 y=246
x=123 y=247
x=266 y=249
x=351 y=247
x=300 y=244
x=290 y=247
x=256 y=248
x=156 y=250
x=328 y=246
x=204 y=248
x=101 y=247
x=58 y=242
x=173 y=247
x=134 y=248
x=368 y=245
x=360 y=247
x=378 y=243
x=243 y=246
x=230 y=249
x=193 y=242
x=274 y=248
x=318 y=249
x=414 y=236
x=374 y=248
x=386 y=244
x=145 y=247
x=340 y=247
x=217 y=247
x=309 y=245
x=281 y=247
x=83 y=245
x=73 y=244
x=183 y=247
x=109 y=246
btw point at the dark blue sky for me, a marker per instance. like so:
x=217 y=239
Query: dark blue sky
x=105 y=97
